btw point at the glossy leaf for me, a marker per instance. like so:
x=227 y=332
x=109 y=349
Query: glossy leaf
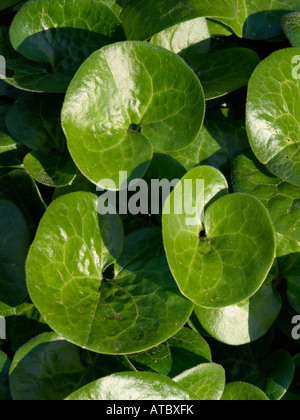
x=245 y=322
x=50 y=368
x=7 y=142
x=132 y=386
x=186 y=38
x=74 y=29
x=15 y=241
x=281 y=199
x=273 y=115
x=125 y=101
x=225 y=71
x=291 y=26
x=260 y=20
x=290 y=270
x=143 y=19
x=239 y=391
x=207 y=381
x=230 y=255
x=137 y=309
x=181 y=352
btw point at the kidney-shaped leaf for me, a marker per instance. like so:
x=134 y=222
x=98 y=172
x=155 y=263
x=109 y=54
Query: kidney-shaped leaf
x=291 y=26
x=133 y=386
x=229 y=254
x=125 y=100
x=273 y=114
x=143 y=19
x=50 y=368
x=260 y=19
x=61 y=34
x=207 y=381
x=245 y=322
x=137 y=309
x=281 y=199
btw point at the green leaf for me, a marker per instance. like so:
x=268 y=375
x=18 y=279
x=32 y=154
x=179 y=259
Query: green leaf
x=185 y=38
x=7 y=3
x=224 y=71
x=280 y=198
x=132 y=386
x=220 y=138
x=143 y=19
x=239 y=391
x=62 y=35
x=137 y=309
x=260 y=19
x=243 y=323
x=126 y=100
x=14 y=245
x=4 y=370
x=207 y=381
x=295 y=386
x=273 y=115
x=226 y=260
x=290 y=270
x=48 y=368
x=181 y=352
x=51 y=169
x=291 y=27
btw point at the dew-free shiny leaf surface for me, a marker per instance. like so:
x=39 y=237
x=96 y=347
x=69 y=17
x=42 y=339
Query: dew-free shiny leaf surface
x=62 y=34
x=126 y=100
x=207 y=381
x=239 y=391
x=245 y=322
x=225 y=71
x=49 y=368
x=273 y=114
x=230 y=255
x=143 y=19
x=137 y=309
x=291 y=26
x=280 y=198
x=132 y=386
x=261 y=19
x=181 y=352
x=14 y=245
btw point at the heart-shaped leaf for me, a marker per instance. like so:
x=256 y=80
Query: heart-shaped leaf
x=4 y=371
x=207 y=381
x=273 y=114
x=245 y=322
x=14 y=245
x=229 y=254
x=61 y=34
x=137 y=309
x=260 y=19
x=241 y=391
x=291 y=26
x=281 y=199
x=132 y=386
x=126 y=100
x=222 y=72
x=143 y=19
x=181 y=352
x=50 y=368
